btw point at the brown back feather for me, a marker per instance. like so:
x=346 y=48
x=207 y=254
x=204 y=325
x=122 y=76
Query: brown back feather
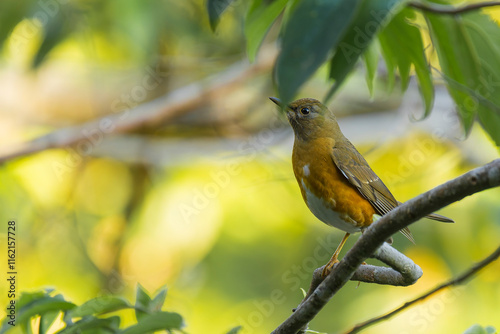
x=355 y=168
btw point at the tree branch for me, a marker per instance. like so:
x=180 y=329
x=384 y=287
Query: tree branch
x=403 y=272
x=455 y=281
x=150 y=113
x=445 y=9
x=479 y=179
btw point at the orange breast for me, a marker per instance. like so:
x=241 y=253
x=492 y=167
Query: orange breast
x=319 y=178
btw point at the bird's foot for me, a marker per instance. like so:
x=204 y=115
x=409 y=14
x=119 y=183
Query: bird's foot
x=329 y=266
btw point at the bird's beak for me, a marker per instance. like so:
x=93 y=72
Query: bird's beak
x=280 y=104
x=286 y=109
x=276 y=100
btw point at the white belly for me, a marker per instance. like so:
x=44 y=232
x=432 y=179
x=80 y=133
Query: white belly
x=323 y=212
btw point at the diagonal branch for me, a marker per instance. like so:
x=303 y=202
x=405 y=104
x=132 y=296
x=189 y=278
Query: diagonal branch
x=403 y=271
x=455 y=281
x=451 y=10
x=476 y=180
x=148 y=114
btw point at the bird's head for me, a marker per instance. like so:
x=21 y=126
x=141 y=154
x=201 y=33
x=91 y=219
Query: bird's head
x=310 y=118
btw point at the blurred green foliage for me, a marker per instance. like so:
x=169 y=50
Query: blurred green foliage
x=477 y=329
x=313 y=34
x=339 y=32
x=42 y=312
x=228 y=231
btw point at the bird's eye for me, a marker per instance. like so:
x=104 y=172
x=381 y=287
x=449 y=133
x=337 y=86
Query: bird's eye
x=305 y=111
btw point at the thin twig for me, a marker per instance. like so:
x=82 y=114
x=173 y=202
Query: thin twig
x=477 y=180
x=455 y=281
x=451 y=10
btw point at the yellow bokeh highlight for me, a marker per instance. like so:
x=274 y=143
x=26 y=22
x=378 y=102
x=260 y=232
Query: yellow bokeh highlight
x=23 y=42
x=414 y=164
x=104 y=241
x=224 y=234
x=40 y=179
x=182 y=224
x=104 y=187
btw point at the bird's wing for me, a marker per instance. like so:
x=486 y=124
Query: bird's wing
x=358 y=172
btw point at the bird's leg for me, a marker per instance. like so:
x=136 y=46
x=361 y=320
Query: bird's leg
x=334 y=259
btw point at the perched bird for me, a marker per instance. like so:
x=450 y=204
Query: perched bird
x=336 y=182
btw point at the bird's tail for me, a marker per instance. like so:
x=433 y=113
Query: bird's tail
x=407 y=233
x=439 y=218
x=434 y=216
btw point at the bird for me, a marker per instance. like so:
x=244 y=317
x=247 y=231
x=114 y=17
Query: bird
x=336 y=183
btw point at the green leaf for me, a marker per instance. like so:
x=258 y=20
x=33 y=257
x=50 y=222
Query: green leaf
x=102 y=330
x=426 y=86
x=31 y=304
x=259 y=19
x=55 y=30
x=93 y=324
x=157 y=302
x=29 y=297
x=491 y=330
x=215 y=9
x=100 y=305
x=142 y=301
x=42 y=306
x=312 y=30
x=144 y=305
x=234 y=330
x=490 y=121
x=485 y=35
x=26 y=328
x=47 y=320
x=370 y=58
x=155 y=322
x=402 y=46
x=475 y=329
x=370 y=16
x=37 y=303
x=11 y=13
x=399 y=59
x=450 y=39
x=391 y=64
x=289 y=9
x=472 y=78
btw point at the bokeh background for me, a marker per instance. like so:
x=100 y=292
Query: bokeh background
x=205 y=202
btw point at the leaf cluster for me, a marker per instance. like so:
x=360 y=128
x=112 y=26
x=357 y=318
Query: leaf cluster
x=39 y=312
x=465 y=48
